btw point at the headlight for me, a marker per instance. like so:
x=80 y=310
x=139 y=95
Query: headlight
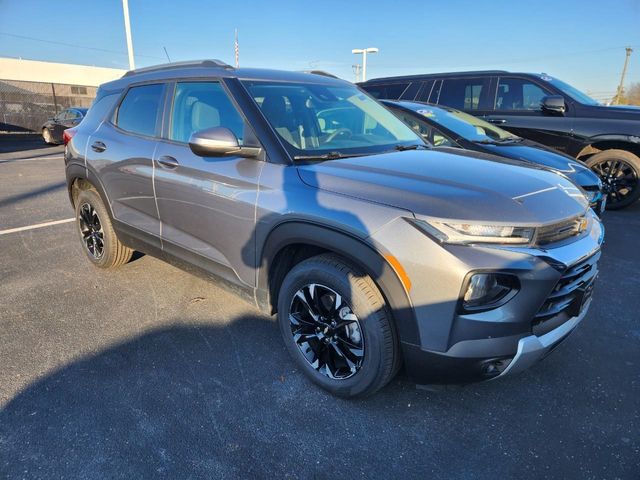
x=465 y=233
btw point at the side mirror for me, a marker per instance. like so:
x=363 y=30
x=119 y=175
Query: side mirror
x=553 y=104
x=219 y=142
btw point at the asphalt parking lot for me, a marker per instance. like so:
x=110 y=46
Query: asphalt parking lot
x=150 y=372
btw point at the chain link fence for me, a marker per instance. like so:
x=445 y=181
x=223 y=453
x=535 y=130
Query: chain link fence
x=25 y=106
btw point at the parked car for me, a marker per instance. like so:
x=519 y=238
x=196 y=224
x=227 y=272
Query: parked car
x=53 y=129
x=445 y=127
x=540 y=108
x=312 y=200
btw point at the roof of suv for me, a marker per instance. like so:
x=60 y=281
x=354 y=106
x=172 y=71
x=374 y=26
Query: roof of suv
x=216 y=68
x=446 y=74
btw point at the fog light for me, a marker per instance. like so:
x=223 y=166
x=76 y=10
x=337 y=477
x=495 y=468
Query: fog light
x=488 y=290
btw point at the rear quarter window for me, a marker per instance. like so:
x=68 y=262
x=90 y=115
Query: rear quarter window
x=390 y=91
x=139 y=110
x=100 y=110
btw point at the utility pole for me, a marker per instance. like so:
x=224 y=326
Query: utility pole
x=620 y=91
x=356 y=70
x=364 y=51
x=127 y=30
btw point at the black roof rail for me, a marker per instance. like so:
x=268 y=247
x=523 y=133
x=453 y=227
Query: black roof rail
x=171 y=66
x=320 y=72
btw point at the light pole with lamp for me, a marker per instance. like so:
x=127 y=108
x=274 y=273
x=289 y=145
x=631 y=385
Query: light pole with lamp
x=364 y=52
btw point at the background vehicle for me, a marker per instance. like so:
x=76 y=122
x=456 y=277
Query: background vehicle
x=445 y=127
x=53 y=128
x=543 y=109
x=312 y=200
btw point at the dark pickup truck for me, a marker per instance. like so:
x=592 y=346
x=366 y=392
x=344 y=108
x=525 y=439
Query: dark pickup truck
x=541 y=108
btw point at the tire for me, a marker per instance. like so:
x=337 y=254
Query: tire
x=619 y=171
x=46 y=136
x=377 y=354
x=99 y=241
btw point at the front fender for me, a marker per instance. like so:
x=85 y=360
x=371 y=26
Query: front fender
x=352 y=249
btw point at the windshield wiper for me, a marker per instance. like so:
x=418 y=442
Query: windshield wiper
x=499 y=142
x=417 y=146
x=327 y=156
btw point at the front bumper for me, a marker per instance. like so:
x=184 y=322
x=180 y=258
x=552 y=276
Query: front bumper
x=532 y=349
x=451 y=346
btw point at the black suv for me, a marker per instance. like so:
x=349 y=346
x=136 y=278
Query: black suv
x=540 y=108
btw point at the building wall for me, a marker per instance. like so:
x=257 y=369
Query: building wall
x=63 y=73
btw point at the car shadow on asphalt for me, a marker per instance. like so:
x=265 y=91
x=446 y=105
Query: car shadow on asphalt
x=189 y=399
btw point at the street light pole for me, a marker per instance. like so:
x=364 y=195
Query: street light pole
x=364 y=52
x=127 y=30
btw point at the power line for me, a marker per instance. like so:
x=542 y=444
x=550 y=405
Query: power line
x=53 y=42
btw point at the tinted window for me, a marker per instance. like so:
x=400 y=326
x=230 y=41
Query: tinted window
x=425 y=91
x=102 y=105
x=391 y=91
x=139 y=110
x=431 y=134
x=518 y=94
x=411 y=91
x=201 y=105
x=463 y=93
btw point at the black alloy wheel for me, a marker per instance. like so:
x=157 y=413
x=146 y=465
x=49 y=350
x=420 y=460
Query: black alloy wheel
x=326 y=331
x=91 y=230
x=620 y=174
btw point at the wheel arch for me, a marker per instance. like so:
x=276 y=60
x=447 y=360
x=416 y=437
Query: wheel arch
x=609 y=142
x=291 y=242
x=81 y=178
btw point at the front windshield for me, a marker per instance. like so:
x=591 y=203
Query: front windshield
x=573 y=92
x=465 y=125
x=316 y=119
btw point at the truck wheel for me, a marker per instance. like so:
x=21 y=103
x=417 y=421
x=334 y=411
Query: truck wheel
x=336 y=325
x=619 y=171
x=99 y=240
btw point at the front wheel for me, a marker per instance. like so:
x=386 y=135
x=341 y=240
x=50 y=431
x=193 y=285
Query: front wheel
x=336 y=326
x=619 y=171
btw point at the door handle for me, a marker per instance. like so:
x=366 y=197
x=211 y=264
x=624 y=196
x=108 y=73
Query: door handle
x=98 y=147
x=167 y=161
x=497 y=120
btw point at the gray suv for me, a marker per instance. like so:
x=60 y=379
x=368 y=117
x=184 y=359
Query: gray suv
x=318 y=204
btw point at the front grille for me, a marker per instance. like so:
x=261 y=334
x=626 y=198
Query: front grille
x=560 y=231
x=567 y=298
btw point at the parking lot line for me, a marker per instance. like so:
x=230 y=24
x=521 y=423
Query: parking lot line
x=31 y=159
x=37 y=225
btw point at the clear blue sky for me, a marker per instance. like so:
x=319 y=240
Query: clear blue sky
x=580 y=42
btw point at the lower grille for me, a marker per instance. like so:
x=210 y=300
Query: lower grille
x=570 y=294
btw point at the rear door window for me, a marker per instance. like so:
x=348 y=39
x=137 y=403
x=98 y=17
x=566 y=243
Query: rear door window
x=519 y=94
x=140 y=110
x=464 y=93
x=425 y=91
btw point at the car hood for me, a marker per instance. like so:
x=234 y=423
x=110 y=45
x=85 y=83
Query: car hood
x=533 y=152
x=461 y=186
x=621 y=112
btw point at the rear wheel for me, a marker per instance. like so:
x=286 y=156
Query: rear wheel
x=99 y=240
x=336 y=326
x=619 y=171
